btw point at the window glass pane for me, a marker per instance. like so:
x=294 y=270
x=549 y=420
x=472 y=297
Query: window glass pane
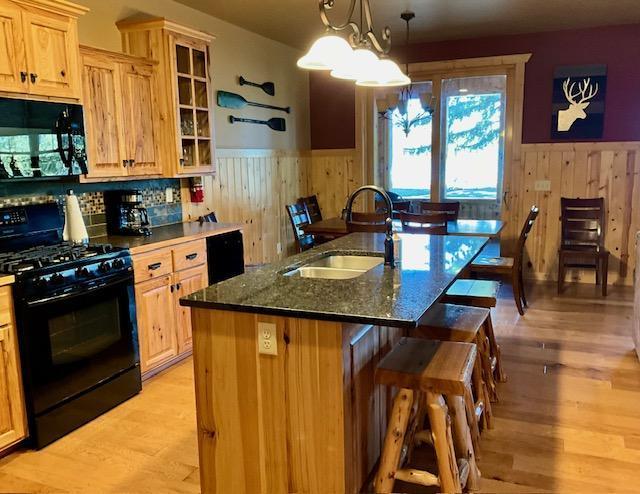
x=182 y=59
x=409 y=143
x=474 y=133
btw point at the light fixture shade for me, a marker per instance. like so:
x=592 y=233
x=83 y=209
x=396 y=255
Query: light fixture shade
x=386 y=73
x=326 y=53
x=362 y=64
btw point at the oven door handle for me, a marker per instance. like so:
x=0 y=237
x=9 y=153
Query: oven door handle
x=71 y=295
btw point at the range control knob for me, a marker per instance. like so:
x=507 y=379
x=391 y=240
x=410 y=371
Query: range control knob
x=82 y=273
x=104 y=267
x=118 y=264
x=40 y=282
x=56 y=279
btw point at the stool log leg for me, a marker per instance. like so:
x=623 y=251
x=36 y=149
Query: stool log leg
x=462 y=439
x=443 y=443
x=470 y=408
x=495 y=350
x=482 y=393
x=485 y=360
x=393 y=441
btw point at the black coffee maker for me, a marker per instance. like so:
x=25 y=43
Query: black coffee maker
x=125 y=213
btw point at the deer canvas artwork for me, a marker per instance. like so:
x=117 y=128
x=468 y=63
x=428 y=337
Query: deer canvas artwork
x=578 y=102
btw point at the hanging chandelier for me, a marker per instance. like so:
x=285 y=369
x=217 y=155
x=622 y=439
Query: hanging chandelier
x=397 y=105
x=363 y=58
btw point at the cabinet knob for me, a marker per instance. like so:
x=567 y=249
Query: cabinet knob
x=181 y=161
x=33 y=77
x=23 y=76
x=132 y=162
x=124 y=163
x=63 y=73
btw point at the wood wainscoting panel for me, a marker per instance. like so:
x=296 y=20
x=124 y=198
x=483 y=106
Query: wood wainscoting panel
x=610 y=170
x=252 y=187
x=334 y=174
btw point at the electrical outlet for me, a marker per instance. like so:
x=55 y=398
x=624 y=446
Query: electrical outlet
x=278 y=248
x=168 y=195
x=542 y=185
x=267 y=341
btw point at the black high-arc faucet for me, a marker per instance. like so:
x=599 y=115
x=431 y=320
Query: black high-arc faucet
x=388 y=239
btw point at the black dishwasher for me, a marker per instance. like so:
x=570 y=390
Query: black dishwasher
x=225 y=256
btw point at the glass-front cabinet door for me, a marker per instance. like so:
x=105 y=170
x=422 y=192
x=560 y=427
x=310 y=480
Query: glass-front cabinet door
x=193 y=114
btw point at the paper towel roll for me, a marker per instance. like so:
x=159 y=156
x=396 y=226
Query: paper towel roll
x=74 y=229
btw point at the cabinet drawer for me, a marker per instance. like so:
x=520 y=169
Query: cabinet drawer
x=189 y=254
x=151 y=265
x=6 y=305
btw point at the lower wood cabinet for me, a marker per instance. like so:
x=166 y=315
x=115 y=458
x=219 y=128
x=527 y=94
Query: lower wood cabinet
x=13 y=423
x=186 y=282
x=164 y=327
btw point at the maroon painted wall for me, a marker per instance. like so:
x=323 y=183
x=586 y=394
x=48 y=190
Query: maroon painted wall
x=332 y=109
x=616 y=46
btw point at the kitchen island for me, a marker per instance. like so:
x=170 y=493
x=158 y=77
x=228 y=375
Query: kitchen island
x=308 y=419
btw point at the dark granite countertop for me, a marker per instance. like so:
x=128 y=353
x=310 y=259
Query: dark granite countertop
x=383 y=296
x=164 y=236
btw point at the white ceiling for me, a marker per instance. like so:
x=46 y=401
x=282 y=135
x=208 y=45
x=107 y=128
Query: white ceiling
x=297 y=23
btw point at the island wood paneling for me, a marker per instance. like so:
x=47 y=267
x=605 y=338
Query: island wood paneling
x=609 y=170
x=308 y=421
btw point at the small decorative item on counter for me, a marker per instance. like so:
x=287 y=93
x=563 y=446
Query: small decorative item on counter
x=278 y=124
x=267 y=87
x=233 y=100
x=74 y=228
x=196 y=190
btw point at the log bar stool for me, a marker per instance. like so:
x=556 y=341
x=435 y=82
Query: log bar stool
x=449 y=322
x=479 y=293
x=440 y=370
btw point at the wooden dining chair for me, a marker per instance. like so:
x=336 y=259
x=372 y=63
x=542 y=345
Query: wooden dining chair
x=313 y=208
x=367 y=222
x=488 y=264
x=299 y=219
x=452 y=209
x=582 y=239
x=400 y=206
x=432 y=224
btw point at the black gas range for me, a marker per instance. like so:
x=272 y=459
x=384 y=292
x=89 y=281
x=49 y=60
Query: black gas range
x=75 y=312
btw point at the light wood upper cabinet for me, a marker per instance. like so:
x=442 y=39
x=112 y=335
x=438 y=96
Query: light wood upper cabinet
x=120 y=115
x=39 y=48
x=156 y=329
x=103 y=116
x=139 y=118
x=13 y=424
x=187 y=282
x=184 y=91
x=13 y=65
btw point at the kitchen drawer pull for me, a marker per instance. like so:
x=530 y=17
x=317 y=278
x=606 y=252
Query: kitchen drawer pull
x=124 y=163
x=154 y=266
x=191 y=257
x=23 y=76
x=172 y=288
x=33 y=77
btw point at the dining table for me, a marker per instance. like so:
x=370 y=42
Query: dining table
x=337 y=227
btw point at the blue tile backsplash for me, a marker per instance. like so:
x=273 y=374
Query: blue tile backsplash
x=91 y=198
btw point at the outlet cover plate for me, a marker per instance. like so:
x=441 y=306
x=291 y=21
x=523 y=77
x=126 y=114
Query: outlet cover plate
x=267 y=338
x=168 y=195
x=542 y=185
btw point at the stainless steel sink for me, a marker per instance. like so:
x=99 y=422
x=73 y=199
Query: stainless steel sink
x=337 y=267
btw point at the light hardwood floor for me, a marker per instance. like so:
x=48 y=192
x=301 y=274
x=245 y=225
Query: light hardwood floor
x=568 y=420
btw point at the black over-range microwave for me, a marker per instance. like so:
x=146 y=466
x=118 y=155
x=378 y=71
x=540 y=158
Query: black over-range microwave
x=41 y=139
